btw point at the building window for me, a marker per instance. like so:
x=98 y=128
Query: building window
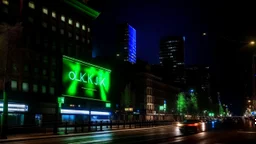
x=26 y=68
x=88 y=41
x=35 y=88
x=83 y=39
x=53 y=61
x=45 y=11
x=53 y=74
x=36 y=70
x=77 y=24
x=62 y=31
x=30 y=19
x=25 y=87
x=52 y=90
x=77 y=37
x=53 y=28
x=70 y=21
x=89 y=30
x=69 y=34
x=6 y=2
x=31 y=5
x=45 y=60
x=44 y=24
x=53 y=14
x=44 y=72
x=14 y=85
x=43 y=89
x=83 y=27
x=63 y=18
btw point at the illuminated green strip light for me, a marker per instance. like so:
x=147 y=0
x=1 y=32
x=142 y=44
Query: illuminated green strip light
x=76 y=60
x=82 y=7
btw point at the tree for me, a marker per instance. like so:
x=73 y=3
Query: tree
x=128 y=97
x=181 y=103
x=194 y=103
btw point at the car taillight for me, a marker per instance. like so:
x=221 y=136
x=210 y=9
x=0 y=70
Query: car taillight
x=195 y=124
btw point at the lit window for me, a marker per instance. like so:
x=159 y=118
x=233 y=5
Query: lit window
x=43 y=89
x=204 y=34
x=45 y=10
x=77 y=37
x=88 y=41
x=25 y=87
x=31 y=5
x=35 y=88
x=53 y=14
x=70 y=21
x=77 y=24
x=89 y=29
x=6 y=2
x=63 y=18
x=14 y=85
x=117 y=54
x=83 y=27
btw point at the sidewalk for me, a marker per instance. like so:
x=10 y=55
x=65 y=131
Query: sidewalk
x=22 y=137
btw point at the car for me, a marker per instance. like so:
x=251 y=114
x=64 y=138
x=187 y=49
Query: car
x=189 y=126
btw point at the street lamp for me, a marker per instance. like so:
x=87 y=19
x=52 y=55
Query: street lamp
x=252 y=42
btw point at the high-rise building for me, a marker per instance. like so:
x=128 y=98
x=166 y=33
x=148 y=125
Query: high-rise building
x=126 y=43
x=172 y=51
x=171 y=56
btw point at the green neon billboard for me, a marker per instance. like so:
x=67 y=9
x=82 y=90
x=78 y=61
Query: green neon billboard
x=82 y=79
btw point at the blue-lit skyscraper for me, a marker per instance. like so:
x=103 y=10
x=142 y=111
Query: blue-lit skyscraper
x=126 y=43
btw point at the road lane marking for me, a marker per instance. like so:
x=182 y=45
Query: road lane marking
x=246 y=132
x=111 y=139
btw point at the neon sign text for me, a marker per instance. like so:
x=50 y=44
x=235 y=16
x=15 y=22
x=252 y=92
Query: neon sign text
x=87 y=78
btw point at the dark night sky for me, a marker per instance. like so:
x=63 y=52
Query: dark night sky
x=226 y=23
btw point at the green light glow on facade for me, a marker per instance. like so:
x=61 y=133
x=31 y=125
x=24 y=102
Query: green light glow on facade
x=83 y=7
x=81 y=79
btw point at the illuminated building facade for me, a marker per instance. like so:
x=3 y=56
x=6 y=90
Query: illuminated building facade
x=50 y=30
x=155 y=100
x=126 y=43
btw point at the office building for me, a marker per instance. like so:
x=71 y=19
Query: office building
x=51 y=29
x=126 y=43
x=172 y=51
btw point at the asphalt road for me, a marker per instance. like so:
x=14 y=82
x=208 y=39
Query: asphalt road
x=160 y=135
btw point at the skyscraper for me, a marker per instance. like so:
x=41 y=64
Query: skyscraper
x=126 y=43
x=171 y=56
x=172 y=51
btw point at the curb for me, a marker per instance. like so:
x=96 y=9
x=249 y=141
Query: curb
x=75 y=135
